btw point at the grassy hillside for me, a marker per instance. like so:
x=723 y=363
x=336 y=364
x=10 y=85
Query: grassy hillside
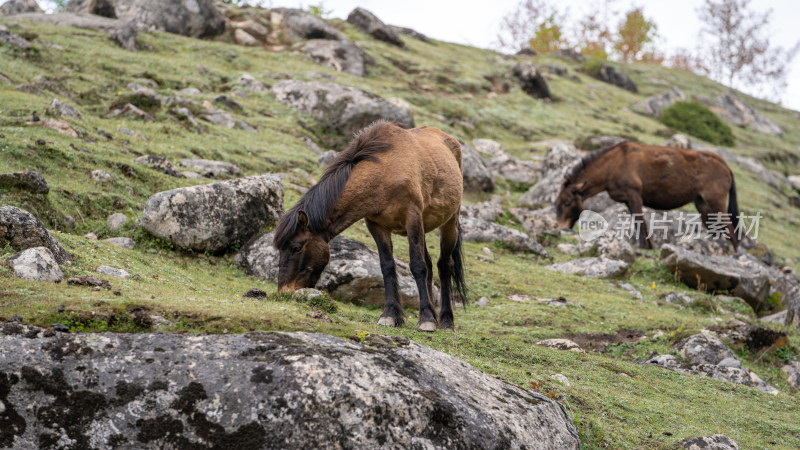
x=616 y=402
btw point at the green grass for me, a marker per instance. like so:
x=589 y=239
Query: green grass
x=616 y=402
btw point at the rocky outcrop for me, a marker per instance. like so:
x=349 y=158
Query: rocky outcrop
x=489 y=210
x=19 y=6
x=713 y=442
x=260 y=390
x=353 y=273
x=12 y=39
x=210 y=168
x=22 y=230
x=216 y=216
x=609 y=74
x=537 y=223
x=195 y=18
x=557 y=162
x=476 y=173
x=502 y=164
x=737 y=112
x=531 y=80
x=36 y=264
x=58 y=108
x=299 y=24
x=742 y=277
x=373 y=26
x=411 y=33
x=342 y=109
x=592 y=267
x=159 y=163
x=478 y=230
x=29 y=181
x=655 y=105
x=120 y=31
x=343 y=56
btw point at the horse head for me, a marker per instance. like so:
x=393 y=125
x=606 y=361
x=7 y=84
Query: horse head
x=303 y=253
x=569 y=204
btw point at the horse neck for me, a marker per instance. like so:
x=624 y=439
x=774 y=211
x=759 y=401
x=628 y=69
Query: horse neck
x=596 y=177
x=339 y=220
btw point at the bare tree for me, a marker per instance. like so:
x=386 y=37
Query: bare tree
x=737 y=50
x=592 y=32
x=519 y=26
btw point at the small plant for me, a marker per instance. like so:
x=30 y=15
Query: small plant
x=695 y=119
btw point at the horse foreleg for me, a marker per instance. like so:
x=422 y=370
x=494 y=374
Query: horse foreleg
x=419 y=269
x=636 y=209
x=449 y=239
x=393 y=314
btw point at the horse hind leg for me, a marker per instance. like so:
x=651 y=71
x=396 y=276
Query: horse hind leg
x=449 y=241
x=636 y=209
x=716 y=206
x=393 y=314
x=419 y=269
x=429 y=263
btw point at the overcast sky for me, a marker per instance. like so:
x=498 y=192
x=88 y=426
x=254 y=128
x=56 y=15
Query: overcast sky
x=476 y=22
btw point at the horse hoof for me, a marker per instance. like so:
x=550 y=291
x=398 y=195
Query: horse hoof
x=428 y=327
x=387 y=321
x=447 y=326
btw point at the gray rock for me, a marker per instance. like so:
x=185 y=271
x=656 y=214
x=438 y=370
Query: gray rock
x=353 y=272
x=30 y=181
x=627 y=287
x=9 y=38
x=611 y=75
x=411 y=33
x=36 y=264
x=513 y=168
x=58 y=108
x=676 y=298
x=251 y=84
x=326 y=158
x=713 y=442
x=734 y=110
x=299 y=24
x=91 y=236
x=131 y=111
x=561 y=344
x=113 y=272
x=191 y=92
x=704 y=348
x=122 y=242
x=778 y=317
x=610 y=247
x=476 y=173
x=570 y=53
x=191 y=175
x=592 y=267
x=120 y=31
x=116 y=221
x=242 y=37
x=212 y=169
x=531 y=80
x=665 y=361
x=159 y=163
x=792 y=370
x=793 y=308
x=343 y=109
x=216 y=216
x=195 y=18
x=679 y=141
x=557 y=161
x=253 y=28
x=22 y=230
x=373 y=26
x=742 y=277
x=403 y=395
x=489 y=210
x=655 y=105
x=478 y=230
x=537 y=222
x=343 y=56
x=487 y=147
x=100 y=175
x=19 y=6
x=794 y=181
x=229 y=102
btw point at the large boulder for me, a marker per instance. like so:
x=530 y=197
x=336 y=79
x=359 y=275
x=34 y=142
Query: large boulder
x=557 y=162
x=343 y=109
x=479 y=230
x=343 y=56
x=609 y=74
x=22 y=230
x=736 y=111
x=19 y=6
x=742 y=277
x=194 y=18
x=30 y=181
x=373 y=26
x=592 y=267
x=260 y=390
x=36 y=264
x=655 y=105
x=713 y=442
x=531 y=80
x=353 y=273
x=477 y=176
x=214 y=217
x=299 y=24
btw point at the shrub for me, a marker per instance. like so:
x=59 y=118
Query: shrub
x=695 y=119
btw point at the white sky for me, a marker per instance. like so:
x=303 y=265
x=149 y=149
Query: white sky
x=476 y=22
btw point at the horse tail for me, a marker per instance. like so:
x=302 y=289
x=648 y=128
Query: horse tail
x=733 y=206
x=457 y=278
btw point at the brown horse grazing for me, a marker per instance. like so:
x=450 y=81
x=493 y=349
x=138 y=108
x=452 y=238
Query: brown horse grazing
x=653 y=176
x=406 y=182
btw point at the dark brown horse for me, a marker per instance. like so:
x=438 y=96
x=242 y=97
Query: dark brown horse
x=406 y=182
x=653 y=176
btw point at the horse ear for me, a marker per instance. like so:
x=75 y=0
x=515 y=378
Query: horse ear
x=564 y=182
x=302 y=221
x=580 y=185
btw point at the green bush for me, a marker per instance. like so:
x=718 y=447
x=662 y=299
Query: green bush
x=695 y=119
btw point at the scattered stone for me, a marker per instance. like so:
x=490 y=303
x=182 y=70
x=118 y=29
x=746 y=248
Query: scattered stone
x=373 y=26
x=190 y=91
x=130 y=111
x=22 y=230
x=58 y=108
x=123 y=242
x=158 y=162
x=742 y=277
x=29 y=181
x=250 y=84
x=131 y=133
x=36 y=264
x=252 y=28
x=220 y=380
x=212 y=169
x=793 y=371
x=537 y=223
x=244 y=38
x=116 y=221
x=319 y=315
x=561 y=379
x=676 y=298
x=60 y=126
x=89 y=281
x=655 y=105
x=489 y=210
x=483 y=301
x=737 y=112
x=558 y=301
x=229 y=102
x=101 y=176
x=610 y=75
x=531 y=80
x=557 y=161
x=476 y=173
x=9 y=38
x=611 y=247
x=679 y=141
x=12 y=7
x=704 y=348
x=90 y=236
x=342 y=56
x=561 y=344
x=713 y=442
x=627 y=287
x=216 y=216
x=478 y=230
x=592 y=267
x=487 y=147
x=113 y=272
x=226 y=119
x=345 y=109
x=256 y=293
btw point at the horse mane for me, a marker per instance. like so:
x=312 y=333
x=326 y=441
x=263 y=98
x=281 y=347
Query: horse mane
x=587 y=160
x=318 y=201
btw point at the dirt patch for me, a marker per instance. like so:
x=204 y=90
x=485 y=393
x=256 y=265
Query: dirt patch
x=598 y=341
